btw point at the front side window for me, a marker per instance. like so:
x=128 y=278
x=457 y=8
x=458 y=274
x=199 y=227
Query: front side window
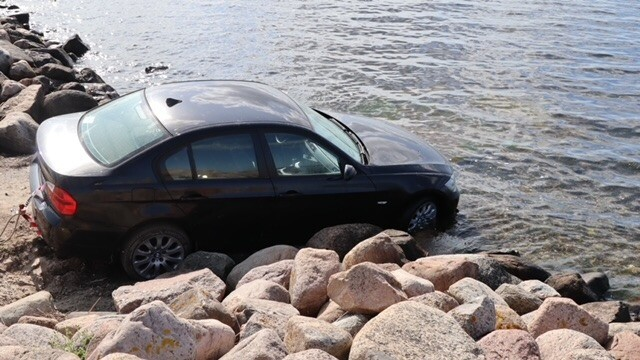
x=225 y=157
x=120 y=129
x=295 y=155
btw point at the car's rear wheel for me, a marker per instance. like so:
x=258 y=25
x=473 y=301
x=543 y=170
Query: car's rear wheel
x=153 y=250
x=423 y=215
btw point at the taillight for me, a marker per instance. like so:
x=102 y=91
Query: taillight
x=61 y=200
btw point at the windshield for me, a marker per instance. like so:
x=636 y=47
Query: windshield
x=120 y=129
x=331 y=131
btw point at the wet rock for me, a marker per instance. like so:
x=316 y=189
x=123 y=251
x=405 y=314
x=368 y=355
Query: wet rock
x=66 y=102
x=127 y=298
x=18 y=133
x=34 y=336
x=351 y=323
x=563 y=313
x=262 y=257
x=608 y=311
x=509 y=344
x=21 y=70
x=625 y=346
x=491 y=273
x=70 y=327
x=412 y=285
x=250 y=307
x=155 y=68
x=331 y=312
x=438 y=300
x=57 y=72
x=616 y=328
x=539 y=289
x=76 y=46
x=477 y=317
x=573 y=287
x=28 y=101
x=38 y=304
x=39 y=321
x=467 y=289
x=378 y=249
x=72 y=86
x=507 y=319
x=87 y=75
x=311 y=354
x=264 y=345
x=442 y=272
x=518 y=298
x=199 y=304
x=556 y=344
x=409 y=330
x=309 y=278
x=26 y=353
x=520 y=267
x=58 y=54
x=598 y=282
x=304 y=333
x=410 y=247
x=220 y=264
x=91 y=335
x=257 y=289
x=365 y=289
x=279 y=273
x=342 y=238
x=41 y=58
x=10 y=88
x=5 y=60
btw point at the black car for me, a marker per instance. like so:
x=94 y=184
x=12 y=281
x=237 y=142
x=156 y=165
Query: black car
x=211 y=165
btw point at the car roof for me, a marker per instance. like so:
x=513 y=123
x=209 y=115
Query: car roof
x=185 y=106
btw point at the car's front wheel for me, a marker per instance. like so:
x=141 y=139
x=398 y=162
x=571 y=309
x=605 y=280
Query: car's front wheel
x=423 y=215
x=153 y=250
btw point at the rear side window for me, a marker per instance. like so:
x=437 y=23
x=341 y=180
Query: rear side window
x=178 y=166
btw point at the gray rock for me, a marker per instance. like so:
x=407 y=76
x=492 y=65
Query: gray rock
x=510 y=344
x=409 y=330
x=572 y=286
x=18 y=133
x=199 y=304
x=220 y=264
x=29 y=100
x=351 y=323
x=27 y=44
x=10 y=88
x=609 y=311
x=78 y=87
x=75 y=45
x=66 y=102
x=40 y=303
x=342 y=238
x=8 y=341
x=410 y=247
x=21 y=70
x=26 y=353
x=616 y=328
x=438 y=300
x=468 y=289
x=91 y=335
x=34 y=336
x=518 y=298
x=262 y=257
x=556 y=344
x=41 y=58
x=5 y=60
x=129 y=297
x=477 y=317
x=16 y=53
x=87 y=75
x=331 y=311
x=264 y=345
x=279 y=273
x=304 y=333
x=597 y=281
x=57 y=72
x=378 y=249
x=491 y=273
x=539 y=289
x=311 y=354
x=519 y=267
x=587 y=354
x=309 y=278
x=58 y=54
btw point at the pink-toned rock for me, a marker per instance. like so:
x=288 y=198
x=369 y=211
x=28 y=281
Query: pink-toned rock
x=616 y=328
x=365 y=289
x=305 y=333
x=352 y=323
x=477 y=317
x=442 y=272
x=509 y=344
x=467 y=289
x=309 y=278
x=7 y=341
x=539 y=289
x=563 y=313
x=556 y=344
x=70 y=326
x=412 y=285
x=507 y=319
x=34 y=336
x=128 y=298
x=625 y=346
x=38 y=320
x=438 y=300
x=198 y=304
x=278 y=272
x=518 y=298
x=250 y=307
x=27 y=353
x=90 y=336
x=213 y=338
x=121 y=356
x=260 y=321
x=378 y=249
x=390 y=267
x=29 y=101
x=263 y=345
x=587 y=354
x=257 y=289
x=266 y=256
x=330 y=312
x=311 y=354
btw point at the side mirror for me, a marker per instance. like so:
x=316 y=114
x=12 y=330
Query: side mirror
x=349 y=172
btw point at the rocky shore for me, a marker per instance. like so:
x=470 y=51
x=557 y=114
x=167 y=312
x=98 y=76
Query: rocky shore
x=354 y=292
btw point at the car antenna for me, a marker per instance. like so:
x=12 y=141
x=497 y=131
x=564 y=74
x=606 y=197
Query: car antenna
x=172 y=102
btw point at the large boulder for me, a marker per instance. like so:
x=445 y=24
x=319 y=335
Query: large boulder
x=10 y=88
x=57 y=72
x=412 y=285
x=304 y=333
x=154 y=329
x=262 y=257
x=518 y=298
x=220 y=264
x=477 y=317
x=556 y=344
x=5 y=61
x=491 y=272
x=365 y=289
x=438 y=300
x=21 y=70
x=199 y=304
x=70 y=327
x=18 y=133
x=66 y=102
x=352 y=323
x=129 y=297
x=519 y=267
x=609 y=311
x=279 y=273
x=29 y=100
x=34 y=336
x=75 y=45
x=468 y=289
x=16 y=53
x=597 y=281
x=258 y=289
x=378 y=249
x=342 y=238
x=91 y=335
x=309 y=278
x=58 y=54
x=331 y=311
x=572 y=286
x=311 y=354
x=27 y=353
x=539 y=289
x=508 y=319
x=410 y=330
x=410 y=247
x=263 y=345
x=616 y=328
x=510 y=344
x=248 y=308
x=563 y=313
x=260 y=321
x=40 y=303
x=442 y=272
x=625 y=346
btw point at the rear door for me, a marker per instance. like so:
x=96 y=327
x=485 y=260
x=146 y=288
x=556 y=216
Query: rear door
x=220 y=182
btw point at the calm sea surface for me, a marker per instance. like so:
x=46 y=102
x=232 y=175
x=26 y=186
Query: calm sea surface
x=536 y=103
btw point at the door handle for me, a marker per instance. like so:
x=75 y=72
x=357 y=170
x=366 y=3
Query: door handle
x=289 y=193
x=192 y=196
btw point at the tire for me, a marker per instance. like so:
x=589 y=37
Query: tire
x=422 y=215
x=153 y=250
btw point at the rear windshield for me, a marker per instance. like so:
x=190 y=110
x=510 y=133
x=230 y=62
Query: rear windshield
x=120 y=129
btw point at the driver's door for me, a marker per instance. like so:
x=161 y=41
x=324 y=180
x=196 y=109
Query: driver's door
x=311 y=192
